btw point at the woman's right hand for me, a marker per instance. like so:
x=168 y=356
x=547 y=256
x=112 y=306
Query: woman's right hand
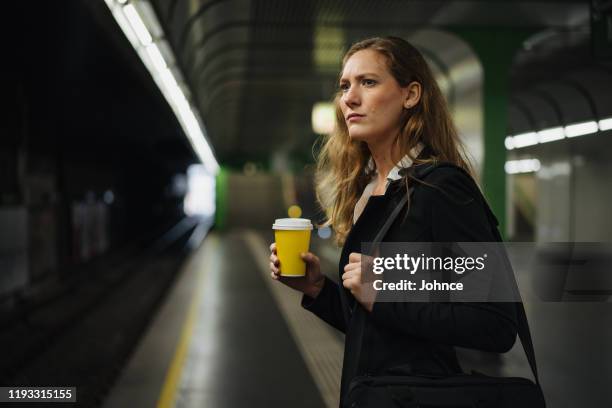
x=311 y=284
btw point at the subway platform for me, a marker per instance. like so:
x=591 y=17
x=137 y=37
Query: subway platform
x=229 y=336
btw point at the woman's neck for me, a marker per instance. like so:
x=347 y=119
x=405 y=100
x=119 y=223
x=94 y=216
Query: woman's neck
x=385 y=155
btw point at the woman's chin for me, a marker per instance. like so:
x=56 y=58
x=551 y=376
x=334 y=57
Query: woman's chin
x=358 y=136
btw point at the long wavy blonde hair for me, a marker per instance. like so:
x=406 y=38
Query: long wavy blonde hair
x=342 y=163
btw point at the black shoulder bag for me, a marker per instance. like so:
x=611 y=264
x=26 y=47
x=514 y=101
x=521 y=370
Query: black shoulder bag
x=457 y=391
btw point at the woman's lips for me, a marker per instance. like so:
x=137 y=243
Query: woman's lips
x=355 y=118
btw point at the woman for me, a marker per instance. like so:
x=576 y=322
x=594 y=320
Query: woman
x=391 y=115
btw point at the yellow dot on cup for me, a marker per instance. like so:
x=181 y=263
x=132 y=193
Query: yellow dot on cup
x=294 y=211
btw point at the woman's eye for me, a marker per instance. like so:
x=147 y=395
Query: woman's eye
x=365 y=82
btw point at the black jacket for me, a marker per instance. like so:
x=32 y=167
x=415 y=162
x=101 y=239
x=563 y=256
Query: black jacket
x=418 y=337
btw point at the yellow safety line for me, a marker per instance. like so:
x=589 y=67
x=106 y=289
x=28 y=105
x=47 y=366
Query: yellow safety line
x=173 y=376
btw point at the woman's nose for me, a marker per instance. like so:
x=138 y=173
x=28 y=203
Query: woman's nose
x=351 y=97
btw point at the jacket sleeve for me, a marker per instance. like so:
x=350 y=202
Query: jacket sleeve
x=327 y=305
x=457 y=215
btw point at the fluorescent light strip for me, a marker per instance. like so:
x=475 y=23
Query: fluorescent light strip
x=137 y=25
x=525 y=139
x=156 y=58
x=169 y=81
x=550 y=135
x=123 y=23
x=557 y=133
x=605 y=124
x=581 y=129
x=522 y=166
x=135 y=30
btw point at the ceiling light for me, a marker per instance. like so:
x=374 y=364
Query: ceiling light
x=323 y=118
x=552 y=134
x=522 y=166
x=605 y=124
x=580 y=129
x=137 y=25
x=140 y=25
x=525 y=139
x=158 y=60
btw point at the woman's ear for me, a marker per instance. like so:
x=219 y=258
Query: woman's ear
x=413 y=94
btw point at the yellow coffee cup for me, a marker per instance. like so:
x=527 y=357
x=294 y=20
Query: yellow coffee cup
x=292 y=236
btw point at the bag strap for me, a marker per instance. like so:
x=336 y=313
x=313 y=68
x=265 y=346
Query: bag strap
x=348 y=311
x=349 y=368
x=522 y=322
x=523 y=325
x=356 y=313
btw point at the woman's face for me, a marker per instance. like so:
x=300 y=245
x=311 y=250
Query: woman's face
x=372 y=101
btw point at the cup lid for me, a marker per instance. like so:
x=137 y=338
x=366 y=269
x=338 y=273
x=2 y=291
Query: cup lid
x=292 y=224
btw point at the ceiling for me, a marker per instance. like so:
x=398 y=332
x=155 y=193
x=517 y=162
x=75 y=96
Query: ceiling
x=256 y=67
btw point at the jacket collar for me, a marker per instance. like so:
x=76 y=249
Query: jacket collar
x=396 y=172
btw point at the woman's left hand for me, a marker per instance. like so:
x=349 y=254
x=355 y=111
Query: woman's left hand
x=351 y=279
